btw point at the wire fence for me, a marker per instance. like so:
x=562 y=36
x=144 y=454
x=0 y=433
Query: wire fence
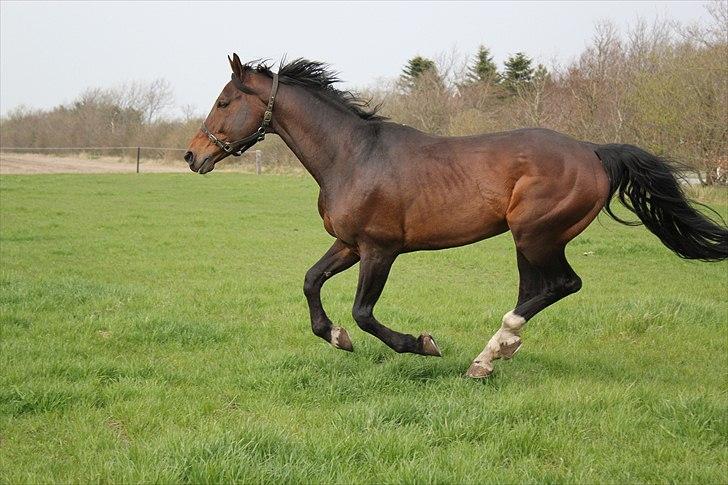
x=136 y=152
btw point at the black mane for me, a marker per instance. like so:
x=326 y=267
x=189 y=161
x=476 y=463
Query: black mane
x=316 y=75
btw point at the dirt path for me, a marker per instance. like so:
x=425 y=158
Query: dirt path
x=27 y=163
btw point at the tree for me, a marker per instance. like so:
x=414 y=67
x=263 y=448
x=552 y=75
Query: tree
x=416 y=70
x=425 y=97
x=152 y=98
x=518 y=71
x=541 y=74
x=532 y=99
x=483 y=68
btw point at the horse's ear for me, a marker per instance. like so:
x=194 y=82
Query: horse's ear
x=237 y=66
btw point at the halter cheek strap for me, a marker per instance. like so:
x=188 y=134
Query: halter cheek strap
x=237 y=148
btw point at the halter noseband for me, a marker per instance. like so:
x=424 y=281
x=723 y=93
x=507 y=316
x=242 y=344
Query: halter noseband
x=236 y=148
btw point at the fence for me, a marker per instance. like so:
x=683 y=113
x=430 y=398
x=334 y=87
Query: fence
x=137 y=150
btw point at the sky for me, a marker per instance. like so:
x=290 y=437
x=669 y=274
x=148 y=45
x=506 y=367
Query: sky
x=50 y=52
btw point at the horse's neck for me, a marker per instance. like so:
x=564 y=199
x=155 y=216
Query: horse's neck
x=319 y=133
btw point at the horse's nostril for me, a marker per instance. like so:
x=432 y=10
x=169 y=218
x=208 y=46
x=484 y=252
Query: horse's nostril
x=189 y=158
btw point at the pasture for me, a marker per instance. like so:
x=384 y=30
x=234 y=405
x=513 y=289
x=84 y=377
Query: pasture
x=154 y=330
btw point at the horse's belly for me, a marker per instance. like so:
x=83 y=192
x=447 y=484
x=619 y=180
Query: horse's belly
x=452 y=224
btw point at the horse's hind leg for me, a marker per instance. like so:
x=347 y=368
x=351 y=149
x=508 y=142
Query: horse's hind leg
x=337 y=259
x=373 y=273
x=545 y=278
x=544 y=214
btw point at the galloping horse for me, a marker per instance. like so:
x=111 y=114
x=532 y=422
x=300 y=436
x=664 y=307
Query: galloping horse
x=388 y=189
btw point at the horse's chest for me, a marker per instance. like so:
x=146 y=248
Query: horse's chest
x=341 y=218
x=325 y=214
x=328 y=225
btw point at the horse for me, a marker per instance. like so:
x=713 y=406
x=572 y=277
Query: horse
x=387 y=189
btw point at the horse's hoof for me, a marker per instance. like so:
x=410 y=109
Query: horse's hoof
x=479 y=370
x=509 y=348
x=428 y=345
x=340 y=339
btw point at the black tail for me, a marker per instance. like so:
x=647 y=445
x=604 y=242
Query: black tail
x=648 y=186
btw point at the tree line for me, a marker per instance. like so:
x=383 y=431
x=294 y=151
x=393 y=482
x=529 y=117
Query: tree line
x=132 y=114
x=659 y=85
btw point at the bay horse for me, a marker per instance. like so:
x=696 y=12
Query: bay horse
x=388 y=189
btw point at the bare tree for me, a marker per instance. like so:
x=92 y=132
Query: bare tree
x=151 y=98
x=712 y=34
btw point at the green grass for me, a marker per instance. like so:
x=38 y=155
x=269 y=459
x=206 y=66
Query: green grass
x=154 y=330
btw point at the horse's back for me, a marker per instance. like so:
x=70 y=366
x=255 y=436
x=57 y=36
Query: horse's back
x=550 y=162
x=420 y=191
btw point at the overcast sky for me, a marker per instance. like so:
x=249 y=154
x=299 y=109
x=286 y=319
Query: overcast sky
x=51 y=52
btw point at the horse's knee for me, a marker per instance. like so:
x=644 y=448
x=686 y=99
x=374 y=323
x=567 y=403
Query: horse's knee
x=362 y=317
x=310 y=283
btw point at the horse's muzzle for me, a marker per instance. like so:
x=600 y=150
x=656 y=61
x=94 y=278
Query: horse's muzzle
x=205 y=166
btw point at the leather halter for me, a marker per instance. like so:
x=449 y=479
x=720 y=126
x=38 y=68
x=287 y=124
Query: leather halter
x=236 y=148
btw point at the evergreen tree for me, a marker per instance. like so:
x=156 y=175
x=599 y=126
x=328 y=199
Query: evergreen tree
x=519 y=72
x=483 y=68
x=541 y=74
x=417 y=68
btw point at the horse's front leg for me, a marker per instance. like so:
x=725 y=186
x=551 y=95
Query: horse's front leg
x=337 y=259
x=373 y=272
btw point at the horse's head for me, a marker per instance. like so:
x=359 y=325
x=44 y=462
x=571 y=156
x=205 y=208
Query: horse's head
x=238 y=119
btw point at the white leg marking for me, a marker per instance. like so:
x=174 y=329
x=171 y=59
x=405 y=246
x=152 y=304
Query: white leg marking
x=340 y=339
x=504 y=343
x=335 y=332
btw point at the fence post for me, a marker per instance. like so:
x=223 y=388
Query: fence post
x=257 y=162
x=139 y=151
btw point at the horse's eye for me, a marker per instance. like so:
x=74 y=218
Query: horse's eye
x=222 y=103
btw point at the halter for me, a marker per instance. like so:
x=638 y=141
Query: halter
x=236 y=148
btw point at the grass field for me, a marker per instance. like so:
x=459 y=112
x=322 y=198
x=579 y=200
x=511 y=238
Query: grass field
x=154 y=330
